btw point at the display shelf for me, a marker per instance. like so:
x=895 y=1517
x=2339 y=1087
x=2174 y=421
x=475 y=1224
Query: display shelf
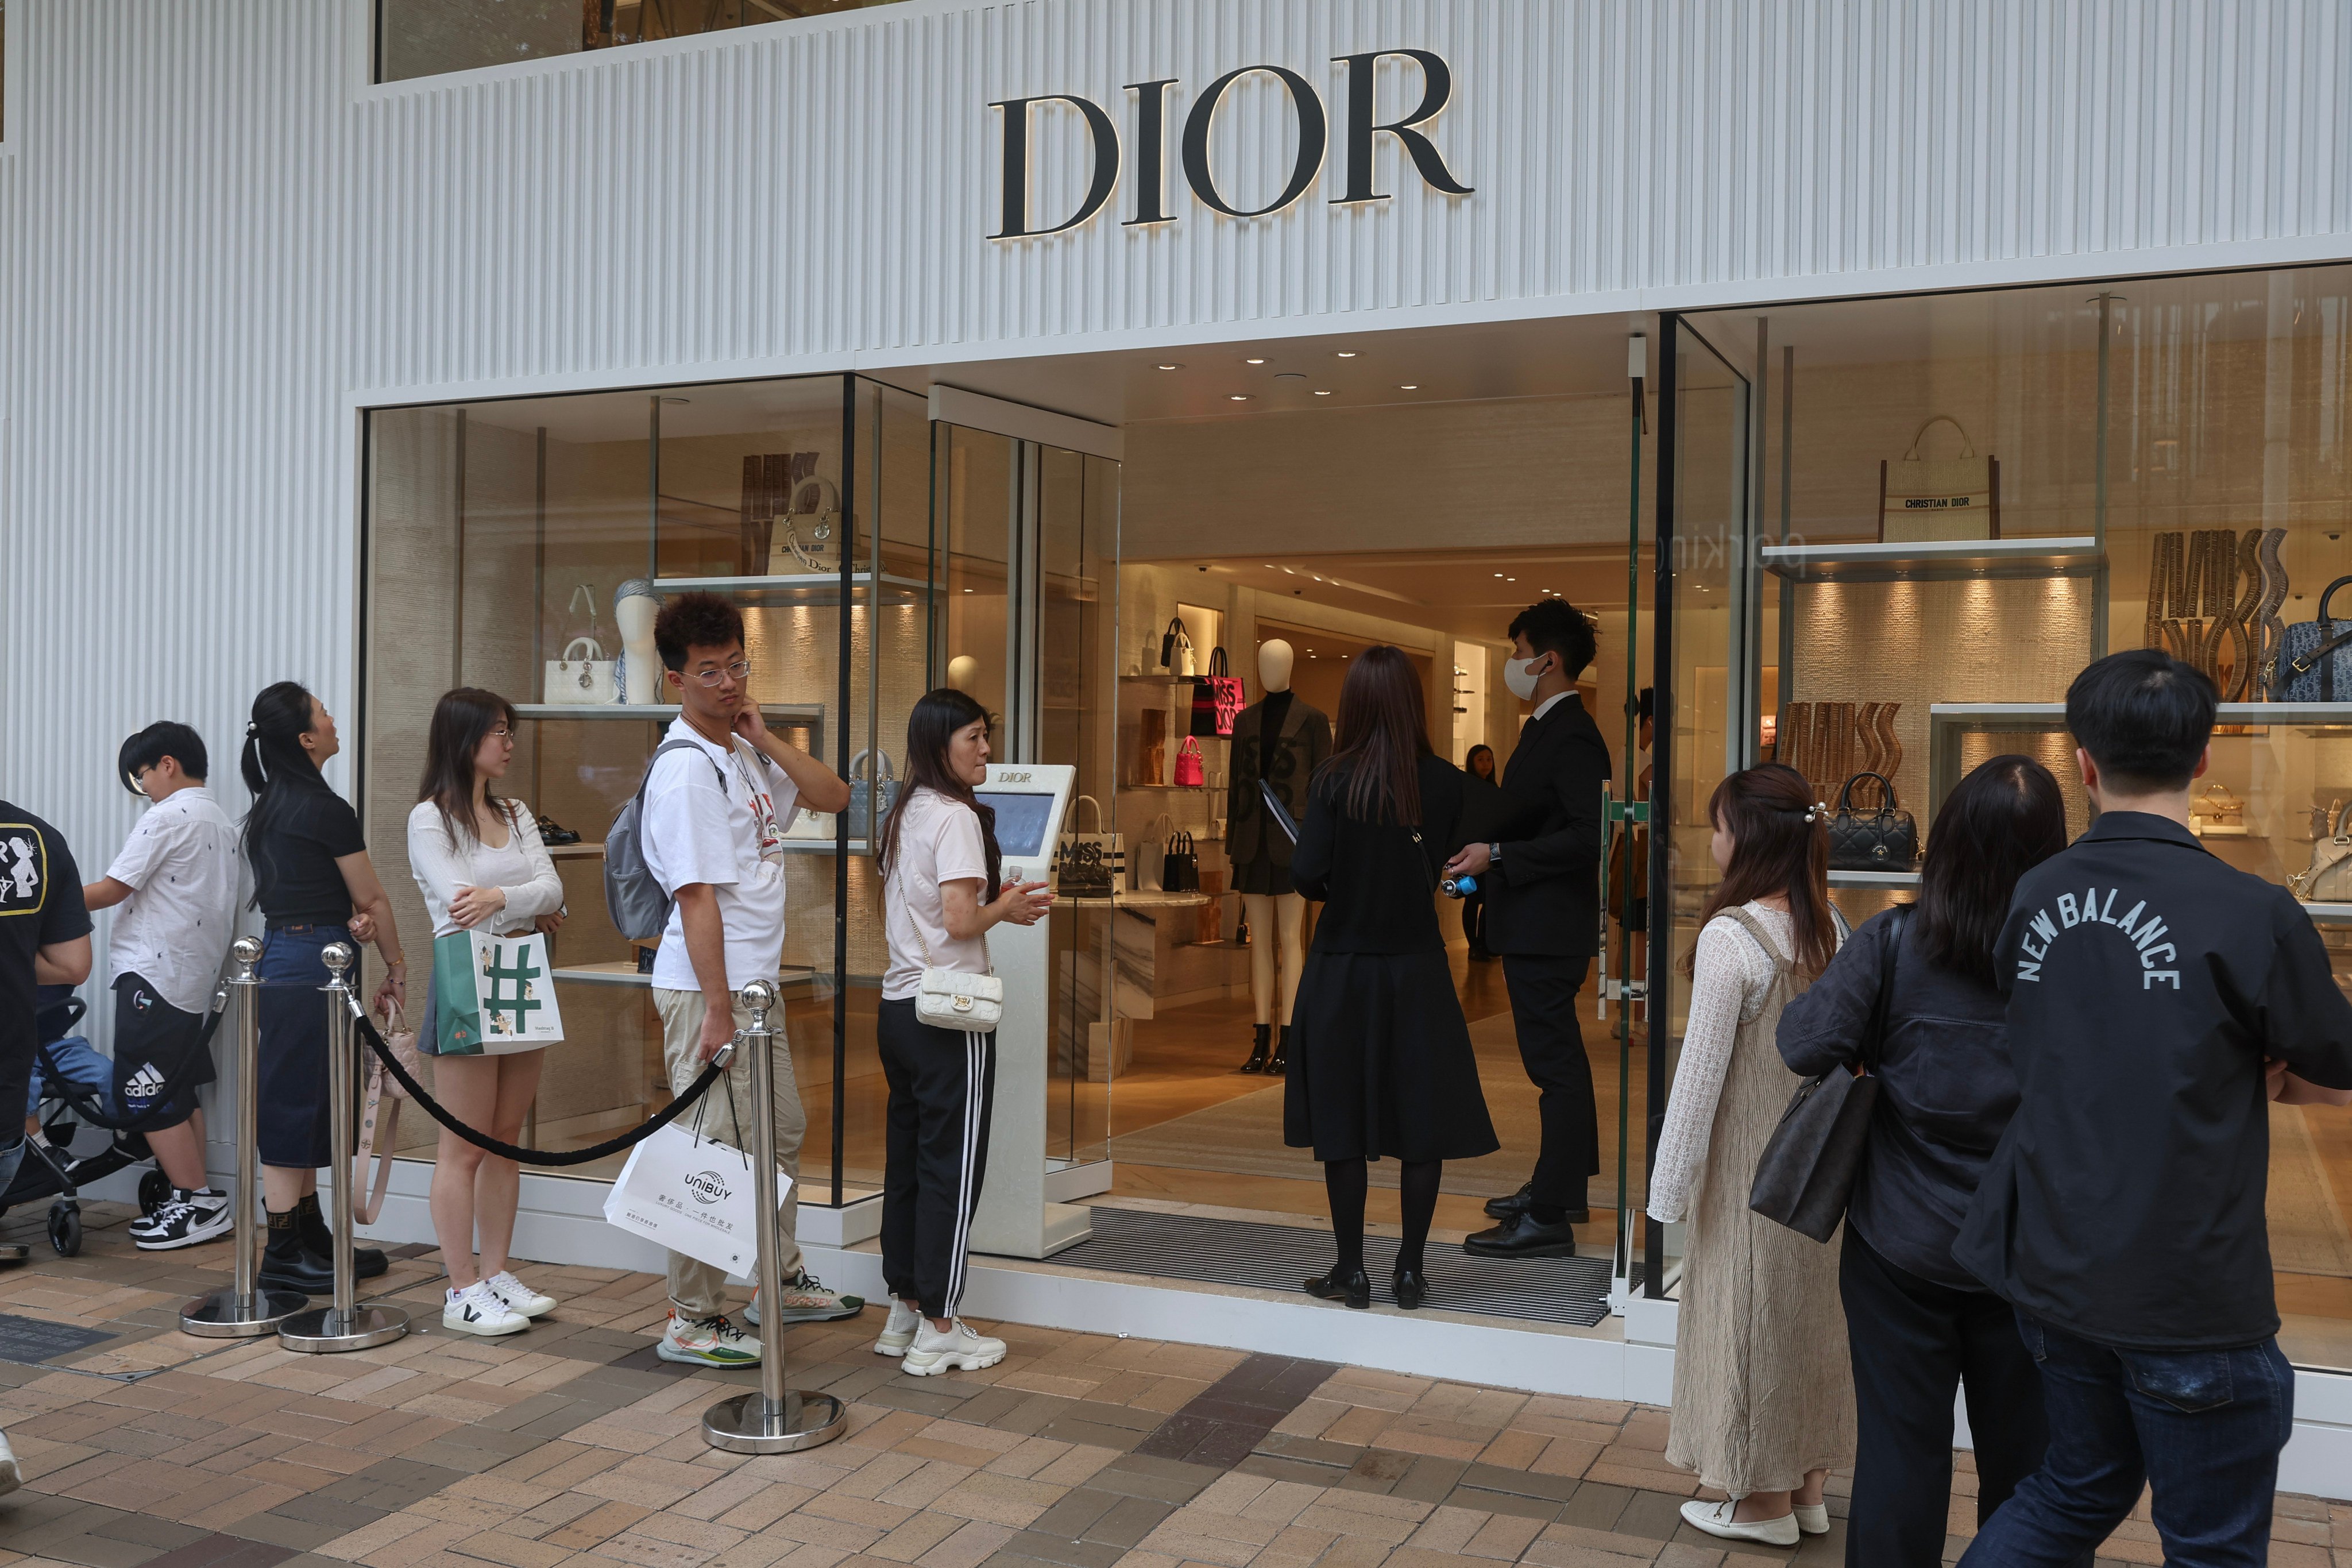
x=583 y=850
x=800 y=588
x=2070 y=556
x=2052 y=715
x=1162 y=681
x=1141 y=899
x=2329 y=914
x=1882 y=880
x=656 y=712
x=1173 y=789
x=789 y=847
x=622 y=972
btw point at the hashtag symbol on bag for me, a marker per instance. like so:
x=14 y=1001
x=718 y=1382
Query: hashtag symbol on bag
x=518 y=1002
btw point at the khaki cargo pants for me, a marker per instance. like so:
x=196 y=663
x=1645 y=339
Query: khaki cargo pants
x=694 y=1286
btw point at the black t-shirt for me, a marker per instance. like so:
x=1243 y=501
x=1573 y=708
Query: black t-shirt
x=40 y=904
x=294 y=874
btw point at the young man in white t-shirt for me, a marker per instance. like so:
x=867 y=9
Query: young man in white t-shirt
x=177 y=880
x=713 y=832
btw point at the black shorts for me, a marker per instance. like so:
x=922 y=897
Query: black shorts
x=153 y=1041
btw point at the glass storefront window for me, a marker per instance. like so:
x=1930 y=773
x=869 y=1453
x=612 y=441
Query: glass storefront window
x=430 y=37
x=499 y=535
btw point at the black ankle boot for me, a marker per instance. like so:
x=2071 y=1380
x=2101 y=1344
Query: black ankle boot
x=1280 y=1063
x=1351 y=1285
x=287 y=1265
x=367 y=1262
x=1258 y=1050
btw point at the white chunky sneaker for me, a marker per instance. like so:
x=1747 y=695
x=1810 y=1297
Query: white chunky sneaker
x=960 y=1349
x=11 y=1477
x=707 y=1341
x=183 y=1219
x=1812 y=1518
x=899 y=1333
x=808 y=1300
x=517 y=1295
x=1714 y=1517
x=477 y=1310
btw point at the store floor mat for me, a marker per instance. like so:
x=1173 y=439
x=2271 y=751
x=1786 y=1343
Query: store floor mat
x=31 y=1341
x=1279 y=1257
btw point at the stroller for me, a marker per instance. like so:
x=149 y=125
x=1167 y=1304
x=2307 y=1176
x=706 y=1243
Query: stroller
x=70 y=1102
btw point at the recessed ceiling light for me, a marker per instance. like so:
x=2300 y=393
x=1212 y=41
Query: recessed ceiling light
x=1289 y=375
x=1322 y=394
x=967 y=589
x=1171 y=367
x=1408 y=387
x=1253 y=361
x=1344 y=353
x=1498 y=573
x=1510 y=579
x=1238 y=397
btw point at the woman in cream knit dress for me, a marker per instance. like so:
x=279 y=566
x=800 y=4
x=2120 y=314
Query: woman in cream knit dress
x=1763 y=1393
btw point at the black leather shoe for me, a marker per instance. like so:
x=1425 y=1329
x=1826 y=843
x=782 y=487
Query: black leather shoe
x=1281 y=1062
x=1411 y=1288
x=1520 y=1237
x=1354 y=1288
x=1260 y=1050
x=1504 y=1208
x=367 y=1262
x=287 y=1265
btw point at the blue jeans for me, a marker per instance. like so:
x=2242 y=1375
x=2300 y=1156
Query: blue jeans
x=2202 y=1428
x=79 y=1064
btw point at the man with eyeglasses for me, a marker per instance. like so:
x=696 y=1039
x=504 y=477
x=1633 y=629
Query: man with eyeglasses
x=712 y=827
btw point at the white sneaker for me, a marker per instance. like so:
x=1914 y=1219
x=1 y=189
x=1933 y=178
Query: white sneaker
x=959 y=1348
x=1812 y=1518
x=11 y=1477
x=477 y=1310
x=517 y=1295
x=707 y=1341
x=183 y=1219
x=899 y=1333
x=1714 y=1517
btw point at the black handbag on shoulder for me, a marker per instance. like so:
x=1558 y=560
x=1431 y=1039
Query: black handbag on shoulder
x=1805 y=1179
x=1885 y=840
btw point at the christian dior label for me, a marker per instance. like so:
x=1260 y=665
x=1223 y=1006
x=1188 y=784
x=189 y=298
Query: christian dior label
x=2138 y=925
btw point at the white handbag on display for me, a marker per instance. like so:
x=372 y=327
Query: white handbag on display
x=582 y=677
x=808 y=541
x=951 y=998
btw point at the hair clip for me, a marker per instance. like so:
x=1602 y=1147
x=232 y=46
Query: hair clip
x=252 y=727
x=1817 y=811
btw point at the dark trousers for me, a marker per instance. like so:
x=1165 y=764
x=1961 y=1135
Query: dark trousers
x=1473 y=920
x=942 y=1087
x=2201 y=1428
x=1543 y=990
x=1916 y=1343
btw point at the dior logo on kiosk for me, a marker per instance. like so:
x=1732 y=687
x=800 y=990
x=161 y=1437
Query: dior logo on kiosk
x=1357 y=131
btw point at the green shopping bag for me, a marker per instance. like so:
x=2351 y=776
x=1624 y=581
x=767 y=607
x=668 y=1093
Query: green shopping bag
x=457 y=996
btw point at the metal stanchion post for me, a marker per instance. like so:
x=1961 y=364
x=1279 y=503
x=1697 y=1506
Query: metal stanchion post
x=244 y=1310
x=346 y=1325
x=774 y=1419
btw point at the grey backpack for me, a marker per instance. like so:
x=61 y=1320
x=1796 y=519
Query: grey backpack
x=633 y=894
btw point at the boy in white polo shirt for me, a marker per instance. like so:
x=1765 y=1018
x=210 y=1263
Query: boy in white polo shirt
x=713 y=831
x=177 y=878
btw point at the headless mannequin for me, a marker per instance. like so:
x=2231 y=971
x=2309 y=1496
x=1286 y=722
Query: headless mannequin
x=1275 y=919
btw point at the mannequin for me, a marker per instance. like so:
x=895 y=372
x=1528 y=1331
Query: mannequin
x=1282 y=740
x=963 y=671
x=634 y=607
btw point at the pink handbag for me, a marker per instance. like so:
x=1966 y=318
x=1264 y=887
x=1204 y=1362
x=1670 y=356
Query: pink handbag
x=1188 y=763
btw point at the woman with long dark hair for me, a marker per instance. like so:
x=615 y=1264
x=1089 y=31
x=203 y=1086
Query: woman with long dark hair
x=314 y=885
x=479 y=862
x=942 y=891
x=1763 y=1400
x=1919 y=1326
x=1483 y=796
x=1381 y=1064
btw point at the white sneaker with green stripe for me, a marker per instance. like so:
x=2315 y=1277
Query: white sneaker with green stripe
x=707 y=1341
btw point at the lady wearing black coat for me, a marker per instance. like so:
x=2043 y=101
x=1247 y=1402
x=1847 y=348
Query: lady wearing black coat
x=1381 y=1064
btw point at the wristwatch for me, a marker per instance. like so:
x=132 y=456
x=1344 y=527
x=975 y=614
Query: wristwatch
x=1494 y=853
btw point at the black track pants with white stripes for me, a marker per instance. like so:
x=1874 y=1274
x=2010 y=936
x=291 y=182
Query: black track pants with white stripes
x=942 y=1085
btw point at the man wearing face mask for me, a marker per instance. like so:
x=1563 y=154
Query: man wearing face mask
x=1539 y=872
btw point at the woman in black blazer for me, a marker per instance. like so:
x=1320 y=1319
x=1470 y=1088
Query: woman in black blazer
x=1381 y=1064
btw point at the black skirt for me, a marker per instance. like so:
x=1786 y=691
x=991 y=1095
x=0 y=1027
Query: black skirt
x=1381 y=1064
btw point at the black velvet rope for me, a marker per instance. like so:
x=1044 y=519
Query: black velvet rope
x=646 y=1128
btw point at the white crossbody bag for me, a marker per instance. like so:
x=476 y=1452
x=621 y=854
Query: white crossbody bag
x=951 y=998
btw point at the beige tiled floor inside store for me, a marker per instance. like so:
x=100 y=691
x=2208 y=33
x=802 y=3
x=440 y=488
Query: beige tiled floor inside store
x=572 y=1442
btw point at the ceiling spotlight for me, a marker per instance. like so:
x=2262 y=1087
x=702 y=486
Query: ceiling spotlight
x=1253 y=361
x=1510 y=579
x=1238 y=397
x=1171 y=367
x=1409 y=386
x=1322 y=394
x=1498 y=573
x=1344 y=353
x=1289 y=375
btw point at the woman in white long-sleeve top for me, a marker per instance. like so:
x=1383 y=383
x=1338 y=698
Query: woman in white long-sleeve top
x=478 y=861
x=1763 y=1393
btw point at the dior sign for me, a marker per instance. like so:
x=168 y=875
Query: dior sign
x=1358 y=131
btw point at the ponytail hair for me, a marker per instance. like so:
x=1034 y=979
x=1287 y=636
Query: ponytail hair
x=275 y=764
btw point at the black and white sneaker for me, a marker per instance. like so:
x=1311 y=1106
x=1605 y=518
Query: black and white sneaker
x=183 y=1219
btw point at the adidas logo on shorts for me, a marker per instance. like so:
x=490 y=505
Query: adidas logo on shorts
x=145 y=1084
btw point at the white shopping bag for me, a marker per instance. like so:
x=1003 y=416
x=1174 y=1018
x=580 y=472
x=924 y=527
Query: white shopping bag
x=515 y=992
x=692 y=1195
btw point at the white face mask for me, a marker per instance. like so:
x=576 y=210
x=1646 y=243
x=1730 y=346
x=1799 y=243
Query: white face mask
x=1520 y=676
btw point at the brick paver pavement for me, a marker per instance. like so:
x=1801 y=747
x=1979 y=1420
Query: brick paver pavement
x=574 y=1444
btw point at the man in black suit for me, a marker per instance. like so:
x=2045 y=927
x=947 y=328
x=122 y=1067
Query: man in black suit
x=1540 y=873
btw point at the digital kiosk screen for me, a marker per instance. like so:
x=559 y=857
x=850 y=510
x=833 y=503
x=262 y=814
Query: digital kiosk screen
x=1020 y=820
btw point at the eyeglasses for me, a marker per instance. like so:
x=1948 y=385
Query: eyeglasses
x=500 y=733
x=740 y=669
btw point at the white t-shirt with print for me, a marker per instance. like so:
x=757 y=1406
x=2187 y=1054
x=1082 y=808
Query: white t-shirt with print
x=939 y=841
x=181 y=865
x=694 y=831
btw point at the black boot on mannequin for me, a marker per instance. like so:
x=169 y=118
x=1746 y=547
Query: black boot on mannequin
x=1281 y=1062
x=1258 y=1051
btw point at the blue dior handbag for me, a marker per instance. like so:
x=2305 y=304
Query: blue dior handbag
x=861 y=792
x=2315 y=658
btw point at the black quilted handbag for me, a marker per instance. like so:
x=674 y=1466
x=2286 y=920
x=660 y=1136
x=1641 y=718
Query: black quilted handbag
x=1885 y=840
